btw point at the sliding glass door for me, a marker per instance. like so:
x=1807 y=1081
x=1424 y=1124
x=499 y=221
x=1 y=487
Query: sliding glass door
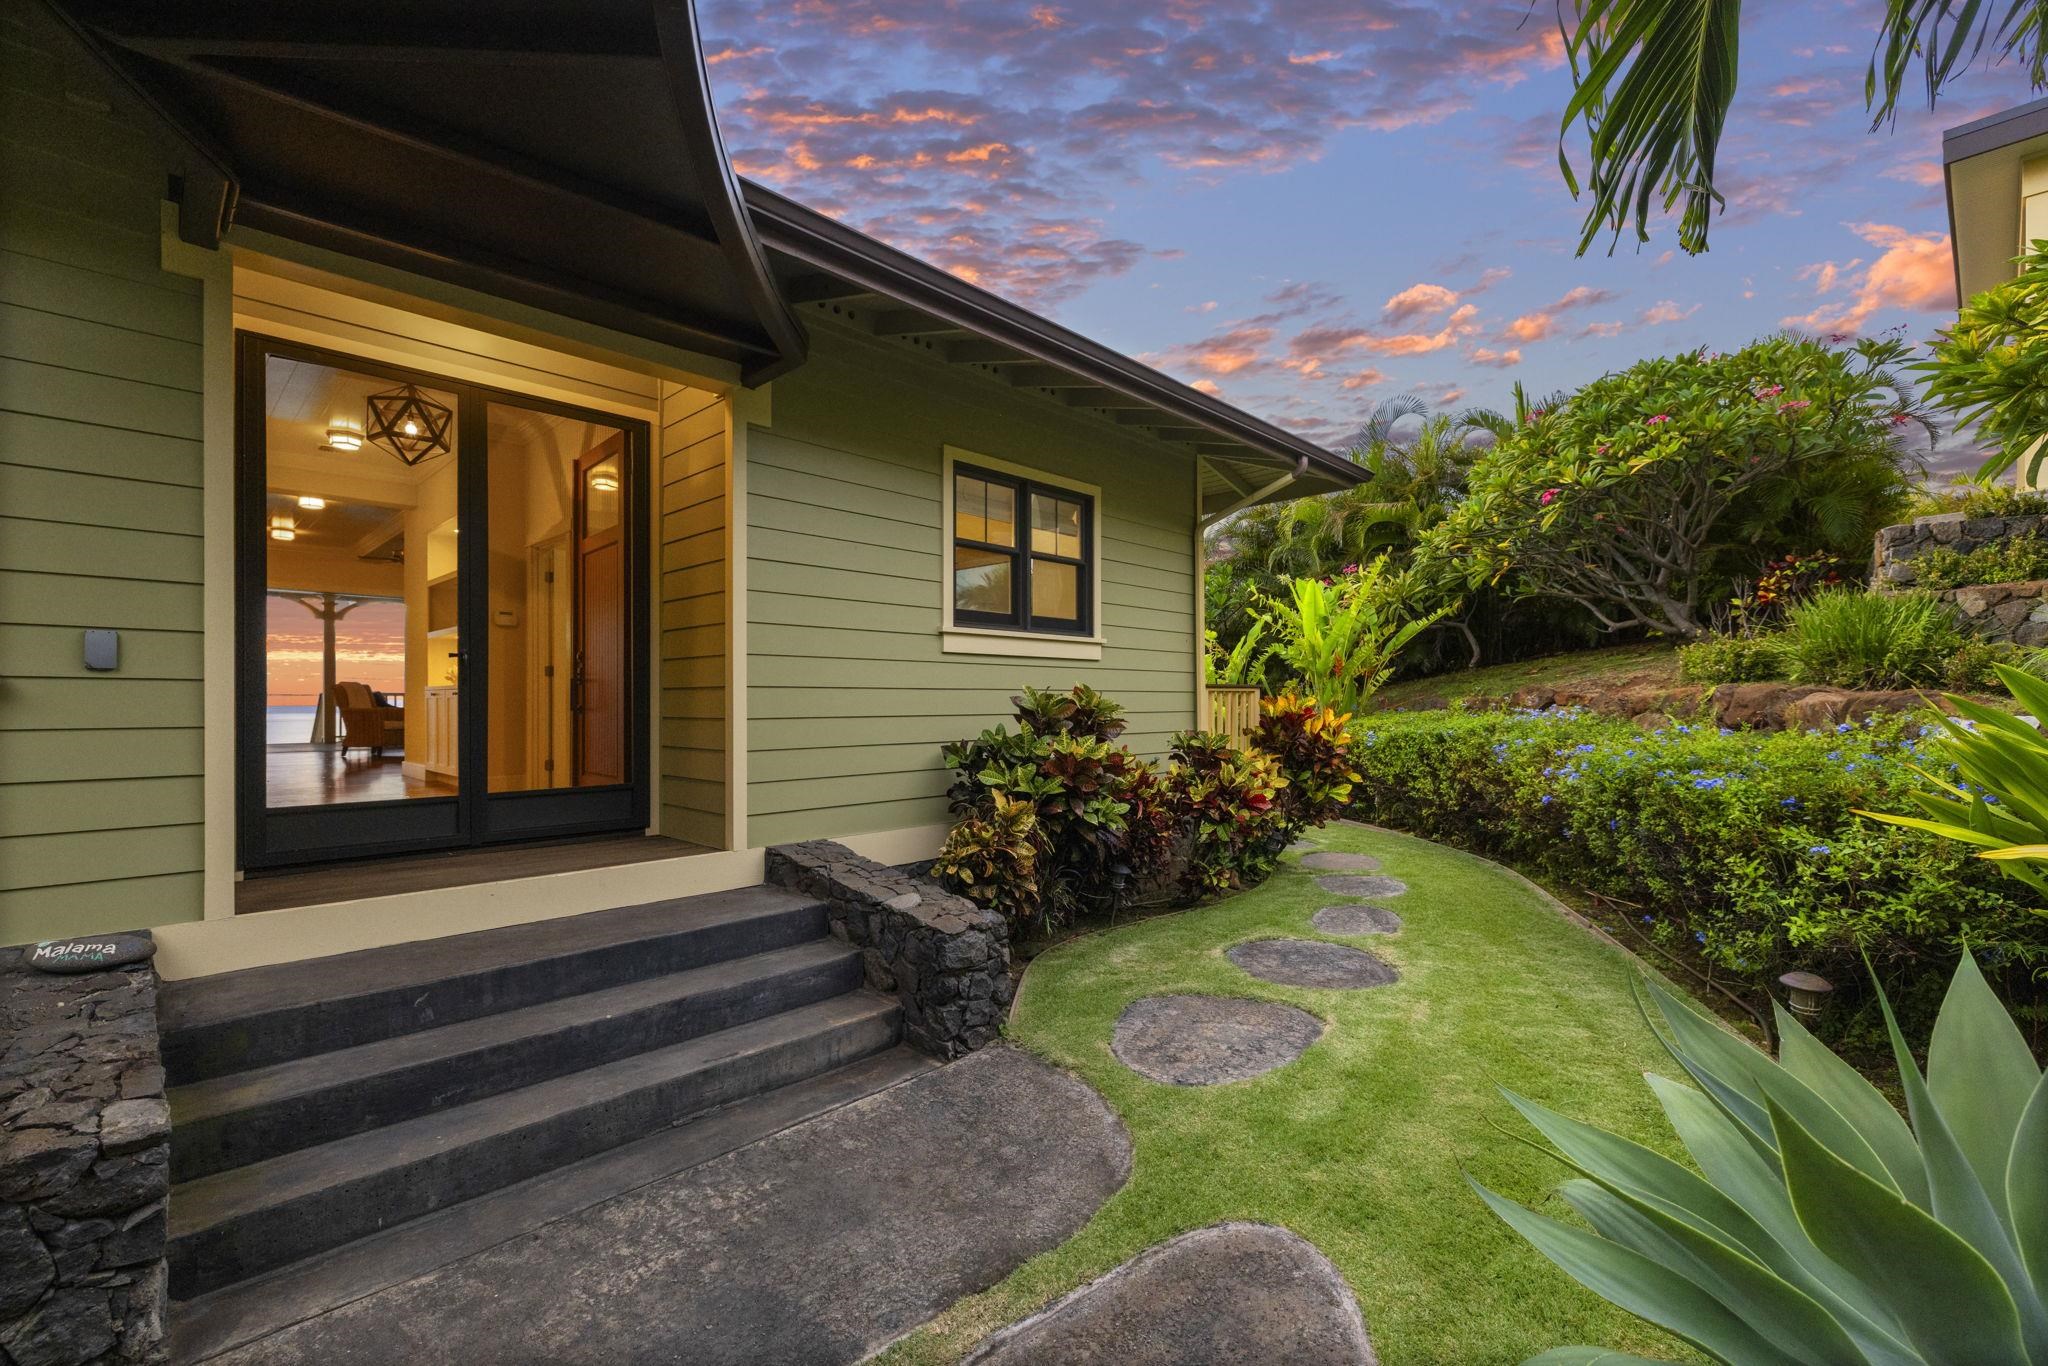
x=442 y=600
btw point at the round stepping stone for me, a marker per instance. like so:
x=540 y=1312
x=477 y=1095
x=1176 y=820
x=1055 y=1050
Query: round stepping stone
x=1204 y=1040
x=1331 y=861
x=1356 y=920
x=1361 y=884
x=1226 y=1293
x=1312 y=963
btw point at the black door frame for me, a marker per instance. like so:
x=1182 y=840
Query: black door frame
x=270 y=837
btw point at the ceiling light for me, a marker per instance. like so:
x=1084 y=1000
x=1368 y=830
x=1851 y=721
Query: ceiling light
x=604 y=481
x=343 y=435
x=312 y=502
x=283 y=529
x=408 y=424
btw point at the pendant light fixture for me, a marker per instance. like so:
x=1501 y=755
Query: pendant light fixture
x=408 y=424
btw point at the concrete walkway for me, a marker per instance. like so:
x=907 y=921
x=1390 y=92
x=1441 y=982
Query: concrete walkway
x=818 y=1244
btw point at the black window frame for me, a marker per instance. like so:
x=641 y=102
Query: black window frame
x=1019 y=617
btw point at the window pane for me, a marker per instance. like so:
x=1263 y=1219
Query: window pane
x=1055 y=591
x=982 y=581
x=1002 y=515
x=1055 y=526
x=970 y=508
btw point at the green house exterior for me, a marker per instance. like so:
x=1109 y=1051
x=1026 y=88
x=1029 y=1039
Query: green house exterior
x=802 y=671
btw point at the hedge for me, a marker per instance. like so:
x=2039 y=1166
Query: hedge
x=1738 y=845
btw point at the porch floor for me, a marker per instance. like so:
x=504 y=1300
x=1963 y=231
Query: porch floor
x=271 y=891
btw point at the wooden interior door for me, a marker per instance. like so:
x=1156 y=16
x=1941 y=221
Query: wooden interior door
x=598 y=691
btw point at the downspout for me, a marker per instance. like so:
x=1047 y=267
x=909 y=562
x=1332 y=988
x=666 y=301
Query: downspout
x=1258 y=495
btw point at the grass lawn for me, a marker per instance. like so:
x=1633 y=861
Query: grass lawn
x=1653 y=663
x=1358 y=1145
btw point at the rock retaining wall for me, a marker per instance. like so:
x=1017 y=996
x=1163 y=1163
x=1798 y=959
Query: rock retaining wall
x=1897 y=546
x=944 y=958
x=84 y=1166
x=2015 y=612
x=1756 y=706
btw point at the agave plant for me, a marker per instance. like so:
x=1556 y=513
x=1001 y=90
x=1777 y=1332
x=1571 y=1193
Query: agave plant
x=1998 y=797
x=1821 y=1228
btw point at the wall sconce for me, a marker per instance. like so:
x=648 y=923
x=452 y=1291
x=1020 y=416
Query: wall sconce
x=312 y=502
x=1806 y=993
x=343 y=435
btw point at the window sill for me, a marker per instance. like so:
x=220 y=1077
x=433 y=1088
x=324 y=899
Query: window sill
x=981 y=640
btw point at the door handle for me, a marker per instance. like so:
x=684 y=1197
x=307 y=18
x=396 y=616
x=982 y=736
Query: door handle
x=576 y=684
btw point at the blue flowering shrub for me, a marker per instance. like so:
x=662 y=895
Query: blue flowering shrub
x=1740 y=846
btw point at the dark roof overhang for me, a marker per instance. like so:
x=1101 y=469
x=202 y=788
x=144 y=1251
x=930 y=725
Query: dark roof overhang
x=561 y=153
x=819 y=260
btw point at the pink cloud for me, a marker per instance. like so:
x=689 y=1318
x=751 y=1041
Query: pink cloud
x=1419 y=301
x=1499 y=360
x=1914 y=272
x=1543 y=322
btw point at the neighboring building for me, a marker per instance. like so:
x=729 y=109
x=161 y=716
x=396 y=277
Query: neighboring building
x=1996 y=170
x=417 y=439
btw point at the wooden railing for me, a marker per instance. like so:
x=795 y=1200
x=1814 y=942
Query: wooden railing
x=1233 y=712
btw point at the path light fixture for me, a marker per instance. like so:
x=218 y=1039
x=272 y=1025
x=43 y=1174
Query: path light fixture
x=1806 y=993
x=408 y=424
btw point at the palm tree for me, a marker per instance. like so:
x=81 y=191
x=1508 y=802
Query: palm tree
x=1653 y=81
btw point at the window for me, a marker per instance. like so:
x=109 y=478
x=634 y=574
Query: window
x=1023 y=553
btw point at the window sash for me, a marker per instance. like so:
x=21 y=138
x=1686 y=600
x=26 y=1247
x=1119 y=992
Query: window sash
x=1021 y=556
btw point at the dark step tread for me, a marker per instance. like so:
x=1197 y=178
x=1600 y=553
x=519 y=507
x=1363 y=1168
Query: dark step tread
x=211 y=1202
x=239 y=1021
x=218 y=1322
x=262 y=1112
x=199 y=1001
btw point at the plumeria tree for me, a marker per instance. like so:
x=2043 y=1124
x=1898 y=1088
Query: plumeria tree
x=1639 y=497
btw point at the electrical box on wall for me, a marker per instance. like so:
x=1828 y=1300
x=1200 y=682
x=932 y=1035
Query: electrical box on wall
x=102 y=650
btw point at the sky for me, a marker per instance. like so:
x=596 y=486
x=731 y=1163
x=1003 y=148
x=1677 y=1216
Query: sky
x=1310 y=206
x=369 y=647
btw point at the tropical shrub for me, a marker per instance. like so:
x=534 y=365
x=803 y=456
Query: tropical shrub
x=1098 y=831
x=1980 y=498
x=1991 y=368
x=1993 y=794
x=2011 y=560
x=1731 y=659
x=993 y=859
x=1640 y=497
x=1849 y=638
x=1243 y=665
x=1340 y=638
x=1820 y=1227
x=1785 y=582
x=1310 y=745
x=1739 y=850
x=1223 y=797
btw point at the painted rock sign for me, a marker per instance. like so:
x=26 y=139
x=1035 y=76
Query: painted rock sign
x=95 y=953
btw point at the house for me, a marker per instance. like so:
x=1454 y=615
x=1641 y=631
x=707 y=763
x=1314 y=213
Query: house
x=1996 y=172
x=417 y=440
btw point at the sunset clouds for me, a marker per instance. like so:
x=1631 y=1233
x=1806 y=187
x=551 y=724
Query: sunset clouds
x=1310 y=205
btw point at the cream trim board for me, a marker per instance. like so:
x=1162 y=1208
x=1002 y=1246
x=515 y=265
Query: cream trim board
x=1203 y=718
x=215 y=273
x=745 y=409
x=983 y=640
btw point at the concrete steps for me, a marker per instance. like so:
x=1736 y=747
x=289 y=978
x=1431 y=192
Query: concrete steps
x=319 y=1103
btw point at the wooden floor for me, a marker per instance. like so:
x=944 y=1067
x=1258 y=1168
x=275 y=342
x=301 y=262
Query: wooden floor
x=321 y=775
x=459 y=868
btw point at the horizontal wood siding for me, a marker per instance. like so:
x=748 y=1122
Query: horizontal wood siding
x=100 y=803
x=849 y=696
x=692 y=442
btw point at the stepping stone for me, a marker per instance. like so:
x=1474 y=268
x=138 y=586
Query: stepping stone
x=1361 y=884
x=1204 y=1040
x=1299 y=846
x=1312 y=963
x=1356 y=920
x=1227 y=1293
x=1331 y=861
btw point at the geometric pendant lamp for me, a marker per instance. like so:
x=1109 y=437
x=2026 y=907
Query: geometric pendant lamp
x=408 y=424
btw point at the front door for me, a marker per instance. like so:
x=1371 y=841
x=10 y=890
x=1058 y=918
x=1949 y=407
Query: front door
x=442 y=612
